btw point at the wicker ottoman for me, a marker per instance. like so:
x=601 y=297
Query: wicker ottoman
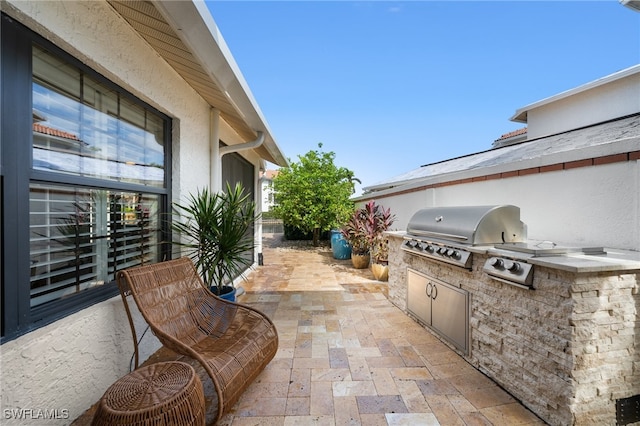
x=166 y=393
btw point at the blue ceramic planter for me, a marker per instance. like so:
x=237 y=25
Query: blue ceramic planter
x=340 y=247
x=227 y=294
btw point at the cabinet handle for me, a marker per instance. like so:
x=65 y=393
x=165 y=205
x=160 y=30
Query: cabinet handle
x=428 y=289
x=435 y=292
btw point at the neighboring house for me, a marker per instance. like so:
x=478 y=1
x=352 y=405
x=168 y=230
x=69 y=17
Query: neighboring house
x=574 y=171
x=511 y=138
x=266 y=185
x=110 y=112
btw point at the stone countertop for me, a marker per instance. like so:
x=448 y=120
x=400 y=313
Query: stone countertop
x=612 y=260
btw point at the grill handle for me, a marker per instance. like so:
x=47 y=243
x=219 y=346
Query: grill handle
x=437 y=234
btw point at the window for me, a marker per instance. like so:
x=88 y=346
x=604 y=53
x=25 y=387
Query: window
x=80 y=237
x=84 y=128
x=84 y=186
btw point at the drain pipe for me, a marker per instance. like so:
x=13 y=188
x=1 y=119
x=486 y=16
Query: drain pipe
x=215 y=168
x=216 y=152
x=243 y=146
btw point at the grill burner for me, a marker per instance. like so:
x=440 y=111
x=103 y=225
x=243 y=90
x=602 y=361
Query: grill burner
x=510 y=271
x=511 y=267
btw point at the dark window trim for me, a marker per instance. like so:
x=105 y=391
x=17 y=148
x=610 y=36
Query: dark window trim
x=16 y=174
x=15 y=109
x=41 y=176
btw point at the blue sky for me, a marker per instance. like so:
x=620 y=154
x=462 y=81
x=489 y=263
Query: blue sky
x=390 y=86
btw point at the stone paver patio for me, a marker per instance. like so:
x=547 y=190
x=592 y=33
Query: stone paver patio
x=347 y=356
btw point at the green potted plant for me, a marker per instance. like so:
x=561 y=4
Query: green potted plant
x=215 y=232
x=364 y=229
x=380 y=258
x=355 y=233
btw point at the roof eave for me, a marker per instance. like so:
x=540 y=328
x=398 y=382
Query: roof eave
x=194 y=25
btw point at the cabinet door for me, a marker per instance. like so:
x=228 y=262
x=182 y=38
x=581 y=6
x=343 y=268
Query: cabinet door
x=418 y=303
x=450 y=314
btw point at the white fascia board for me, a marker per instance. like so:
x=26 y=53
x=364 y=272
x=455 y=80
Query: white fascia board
x=521 y=114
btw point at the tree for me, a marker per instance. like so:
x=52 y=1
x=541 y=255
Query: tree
x=314 y=194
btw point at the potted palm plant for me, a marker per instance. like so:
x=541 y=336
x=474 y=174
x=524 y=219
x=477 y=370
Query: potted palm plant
x=215 y=232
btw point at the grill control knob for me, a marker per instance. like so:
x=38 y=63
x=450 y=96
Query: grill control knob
x=419 y=246
x=430 y=248
x=512 y=267
x=497 y=263
x=455 y=254
x=450 y=252
x=442 y=251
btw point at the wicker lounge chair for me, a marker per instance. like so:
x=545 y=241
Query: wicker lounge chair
x=233 y=342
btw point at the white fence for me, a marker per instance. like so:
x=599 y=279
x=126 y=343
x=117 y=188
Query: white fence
x=272 y=226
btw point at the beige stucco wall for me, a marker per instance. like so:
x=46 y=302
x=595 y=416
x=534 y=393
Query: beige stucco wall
x=608 y=101
x=69 y=364
x=586 y=206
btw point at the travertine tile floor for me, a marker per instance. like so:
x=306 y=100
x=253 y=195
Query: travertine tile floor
x=347 y=356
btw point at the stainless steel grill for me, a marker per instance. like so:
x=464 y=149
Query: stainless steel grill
x=472 y=225
x=447 y=233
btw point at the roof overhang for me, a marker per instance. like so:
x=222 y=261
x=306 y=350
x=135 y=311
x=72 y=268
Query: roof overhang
x=521 y=114
x=185 y=35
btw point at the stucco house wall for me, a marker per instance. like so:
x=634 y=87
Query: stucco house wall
x=583 y=106
x=68 y=364
x=595 y=206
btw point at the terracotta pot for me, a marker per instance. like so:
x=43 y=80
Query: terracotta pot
x=360 y=261
x=380 y=271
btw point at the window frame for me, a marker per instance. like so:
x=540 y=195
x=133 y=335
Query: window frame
x=17 y=174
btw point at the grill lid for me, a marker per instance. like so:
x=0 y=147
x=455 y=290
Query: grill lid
x=473 y=225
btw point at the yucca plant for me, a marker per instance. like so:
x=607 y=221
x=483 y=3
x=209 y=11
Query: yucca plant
x=216 y=233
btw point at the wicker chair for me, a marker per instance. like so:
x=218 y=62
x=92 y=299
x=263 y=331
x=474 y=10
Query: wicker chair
x=231 y=341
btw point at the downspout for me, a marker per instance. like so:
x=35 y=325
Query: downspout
x=243 y=146
x=215 y=173
x=217 y=152
x=215 y=159
x=257 y=235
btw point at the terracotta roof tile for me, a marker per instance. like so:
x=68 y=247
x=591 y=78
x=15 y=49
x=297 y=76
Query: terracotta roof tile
x=513 y=133
x=39 y=128
x=270 y=174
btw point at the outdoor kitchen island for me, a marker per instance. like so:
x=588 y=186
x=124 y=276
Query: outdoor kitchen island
x=564 y=341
